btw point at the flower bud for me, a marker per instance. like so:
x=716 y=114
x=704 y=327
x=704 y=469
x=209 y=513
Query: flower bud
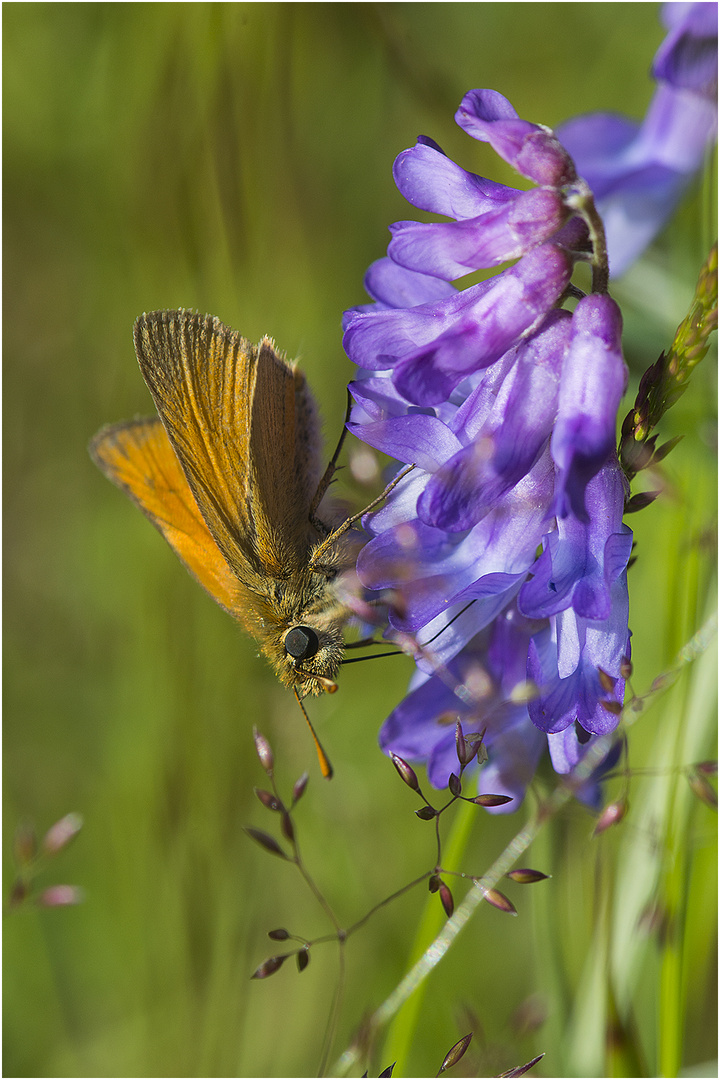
x=266 y=841
x=270 y=966
x=455 y=1053
x=61 y=833
x=406 y=772
x=500 y=901
x=303 y=958
x=526 y=877
x=287 y=827
x=461 y=745
x=454 y=785
x=446 y=899
x=491 y=800
x=61 y=896
x=613 y=813
x=269 y=801
x=263 y=751
x=299 y=788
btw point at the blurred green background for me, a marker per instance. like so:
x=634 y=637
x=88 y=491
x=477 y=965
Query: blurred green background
x=236 y=158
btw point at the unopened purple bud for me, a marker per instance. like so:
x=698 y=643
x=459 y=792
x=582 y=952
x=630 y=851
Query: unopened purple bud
x=613 y=813
x=61 y=833
x=299 y=789
x=287 y=827
x=270 y=966
x=406 y=772
x=491 y=800
x=525 y=876
x=266 y=841
x=270 y=801
x=454 y=784
x=461 y=745
x=446 y=899
x=455 y=1053
x=534 y=151
x=499 y=901
x=61 y=896
x=263 y=751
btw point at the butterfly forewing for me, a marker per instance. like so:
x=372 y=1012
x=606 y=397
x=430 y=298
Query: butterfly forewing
x=229 y=407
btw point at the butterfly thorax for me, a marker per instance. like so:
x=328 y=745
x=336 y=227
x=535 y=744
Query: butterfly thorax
x=297 y=622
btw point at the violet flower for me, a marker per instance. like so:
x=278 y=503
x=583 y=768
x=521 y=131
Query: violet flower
x=504 y=547
x=639 y=172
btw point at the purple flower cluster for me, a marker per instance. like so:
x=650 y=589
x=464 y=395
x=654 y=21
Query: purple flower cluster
x=638 y=172
x=503 y=550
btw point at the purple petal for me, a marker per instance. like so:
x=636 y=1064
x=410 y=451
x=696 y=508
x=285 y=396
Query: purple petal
x=416 y=439
x=432 y=568
x=453 y=249
x=581 y=560
x=593 y=381
x=510 y=438
x=564 y=660
x=638 y=173
x=446 y=634
x=475 y=688
x=395 y=287
x=687 y=57
x=485 y=330
x=431 y=181
x=378 y=339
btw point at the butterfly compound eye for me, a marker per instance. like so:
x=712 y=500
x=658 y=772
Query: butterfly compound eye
x=301 y=642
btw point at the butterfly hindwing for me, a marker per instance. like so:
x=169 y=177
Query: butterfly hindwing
x=138 y=457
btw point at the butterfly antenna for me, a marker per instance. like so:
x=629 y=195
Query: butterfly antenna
x=325 y=767
x=375 y=656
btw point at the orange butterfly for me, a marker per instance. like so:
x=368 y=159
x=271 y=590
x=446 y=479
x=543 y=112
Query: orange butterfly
x=230 y=474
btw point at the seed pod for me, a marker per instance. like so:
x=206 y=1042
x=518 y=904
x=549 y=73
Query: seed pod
x=270 y=966
x=446 y=899
x=263 y=751
x=526 y=876
x=455 y=1053
x=500 y=901
x=406 y=772
x=268 y=842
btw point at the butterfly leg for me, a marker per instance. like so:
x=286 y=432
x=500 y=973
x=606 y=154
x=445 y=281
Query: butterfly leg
x=316 y=560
